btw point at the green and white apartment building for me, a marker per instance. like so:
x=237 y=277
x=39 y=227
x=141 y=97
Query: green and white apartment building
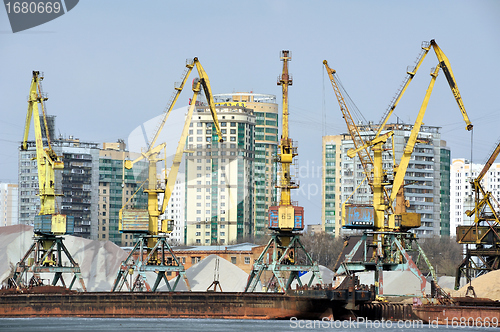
x=230 y=185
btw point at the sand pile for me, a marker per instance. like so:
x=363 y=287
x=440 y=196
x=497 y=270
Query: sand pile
x=98 y=260
x=326 y=275
x=201 y=276
x=485 y=286
x=396 y=282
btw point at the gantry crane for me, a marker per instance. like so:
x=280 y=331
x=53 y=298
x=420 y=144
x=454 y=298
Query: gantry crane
x=390 y=230
x=153 y=252
x=483 y=234
x=286 y=220
x=48 y=250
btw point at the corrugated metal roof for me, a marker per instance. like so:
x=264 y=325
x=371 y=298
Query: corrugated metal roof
x=234 y=247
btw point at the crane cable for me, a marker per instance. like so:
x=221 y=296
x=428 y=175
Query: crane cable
x=323 y=106
x=471 y=146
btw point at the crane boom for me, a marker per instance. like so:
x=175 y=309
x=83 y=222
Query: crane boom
x=445 y=65
x=154 y=210
x=173 y=100
x=363 y=153
x=488 y=164
x=400 y=170
x=172 y=175
x=47 y=160
x=410 y=74
x=205 y=83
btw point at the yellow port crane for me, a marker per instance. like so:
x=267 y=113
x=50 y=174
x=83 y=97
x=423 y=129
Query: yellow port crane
x=376 y=144
x=390 y=234
x=152 y=245
x=46 y=254
x=483 y=234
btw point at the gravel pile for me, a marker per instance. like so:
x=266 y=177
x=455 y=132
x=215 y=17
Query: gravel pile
x=98 y=260
x=201 y=276
x=396 y=282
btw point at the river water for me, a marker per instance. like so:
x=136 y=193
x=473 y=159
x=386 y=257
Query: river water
x=208 y=325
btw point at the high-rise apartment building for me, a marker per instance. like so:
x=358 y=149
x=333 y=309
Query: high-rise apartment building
x=331 y=179
x=117 y=185
x=78 y=184
x=175 y=209
x=265 y=109
x=461 y=190
x=8 y=204
x=220 y=176
x=425 y=176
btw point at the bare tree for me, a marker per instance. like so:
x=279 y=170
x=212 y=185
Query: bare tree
x=323 y=247
x=444 y=253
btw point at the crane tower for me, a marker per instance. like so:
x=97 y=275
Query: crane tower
x=284 y=250
x=47 y=254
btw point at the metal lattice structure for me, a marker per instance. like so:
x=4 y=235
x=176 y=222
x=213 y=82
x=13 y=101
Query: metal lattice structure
x=140 y=261
x=47 y=255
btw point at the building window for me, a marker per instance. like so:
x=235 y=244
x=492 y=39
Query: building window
x=198 y=226
x=222 y=233
x=247 y=260
x=198 y=234
x=233 y=260
x=196 y=259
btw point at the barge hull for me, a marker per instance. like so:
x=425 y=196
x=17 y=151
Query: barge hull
x=168 y=305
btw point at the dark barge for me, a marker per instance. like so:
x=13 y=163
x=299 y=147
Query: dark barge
x=302 y=305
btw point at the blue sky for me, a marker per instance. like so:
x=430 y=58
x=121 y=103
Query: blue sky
x=110 y=66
